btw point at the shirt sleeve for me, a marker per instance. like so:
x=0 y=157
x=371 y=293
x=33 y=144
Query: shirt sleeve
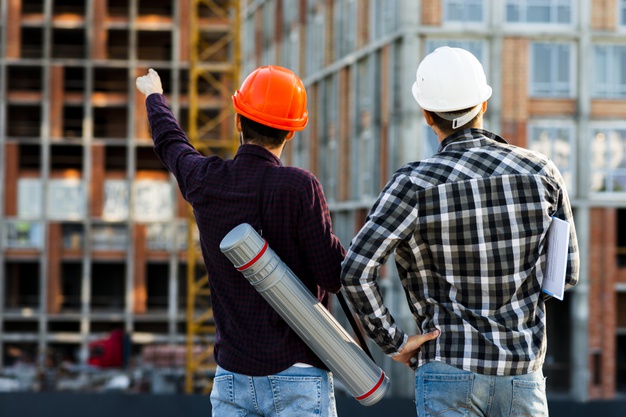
x=322 y=249
x=172 y=145
x=391 y=220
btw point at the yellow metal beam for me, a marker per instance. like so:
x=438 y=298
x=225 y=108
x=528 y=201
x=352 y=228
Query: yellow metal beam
x=213 y=76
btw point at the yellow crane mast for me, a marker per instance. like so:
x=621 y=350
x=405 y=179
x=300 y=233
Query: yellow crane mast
x=213 y=76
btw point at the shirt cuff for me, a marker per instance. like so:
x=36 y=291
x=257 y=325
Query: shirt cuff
x=155 y=98
x=405 y=339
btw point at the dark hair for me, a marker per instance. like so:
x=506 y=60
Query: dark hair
x=446 y=125
x=260 y=134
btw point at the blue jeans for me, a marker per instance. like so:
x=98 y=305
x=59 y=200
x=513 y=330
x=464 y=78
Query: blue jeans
x=293 y=392
x=442 y=390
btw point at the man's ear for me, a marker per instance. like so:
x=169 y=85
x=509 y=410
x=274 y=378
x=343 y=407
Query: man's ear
x=428 y=117
x=237 y=122
x=289 y=136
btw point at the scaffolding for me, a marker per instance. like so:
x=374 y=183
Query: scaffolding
x=213 y=69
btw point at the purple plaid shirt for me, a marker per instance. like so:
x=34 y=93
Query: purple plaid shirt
x=251 y=337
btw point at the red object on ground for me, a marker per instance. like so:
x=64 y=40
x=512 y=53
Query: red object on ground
x=109 y=352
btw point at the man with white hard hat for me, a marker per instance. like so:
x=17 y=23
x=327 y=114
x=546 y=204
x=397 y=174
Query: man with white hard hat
x=468 y=229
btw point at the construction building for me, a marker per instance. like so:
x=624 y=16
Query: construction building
x=94 y=232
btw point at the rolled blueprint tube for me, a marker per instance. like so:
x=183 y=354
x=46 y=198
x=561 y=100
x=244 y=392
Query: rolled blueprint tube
x=260 y=265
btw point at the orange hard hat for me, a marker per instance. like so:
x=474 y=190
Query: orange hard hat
x=273 y=96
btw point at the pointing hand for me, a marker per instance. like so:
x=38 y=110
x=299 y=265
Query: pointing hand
x=149 y=83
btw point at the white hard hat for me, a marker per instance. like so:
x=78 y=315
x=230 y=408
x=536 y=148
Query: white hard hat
x=449 y=80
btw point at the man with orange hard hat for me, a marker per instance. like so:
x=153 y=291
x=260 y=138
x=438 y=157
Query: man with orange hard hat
x=264 y=368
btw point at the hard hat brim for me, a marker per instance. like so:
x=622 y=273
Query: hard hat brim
x=267 y=120
x=485 y=95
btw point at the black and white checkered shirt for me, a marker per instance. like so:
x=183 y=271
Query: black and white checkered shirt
x=468 y=227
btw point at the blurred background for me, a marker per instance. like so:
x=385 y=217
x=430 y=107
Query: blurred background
x=99 y=289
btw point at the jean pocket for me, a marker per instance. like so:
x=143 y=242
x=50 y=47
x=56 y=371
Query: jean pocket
x=297 y=395
x=446 y=395
x=529 y=398
x=223 y=389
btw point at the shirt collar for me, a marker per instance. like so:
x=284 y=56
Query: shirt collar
x=249 y=149
x=469 y=138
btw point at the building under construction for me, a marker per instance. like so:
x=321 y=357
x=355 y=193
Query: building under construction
x=94 y=232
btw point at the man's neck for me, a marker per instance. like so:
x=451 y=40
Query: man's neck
x=441 y=136
x=276 y=151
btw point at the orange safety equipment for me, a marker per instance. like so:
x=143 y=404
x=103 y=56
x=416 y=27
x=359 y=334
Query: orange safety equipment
x=273 y=96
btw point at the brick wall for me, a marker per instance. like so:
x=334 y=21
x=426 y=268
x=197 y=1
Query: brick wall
x=550 y=107
x=431 y=13
x=515 y=90
x=603 y=16
x=608 y=108
x=602 y=299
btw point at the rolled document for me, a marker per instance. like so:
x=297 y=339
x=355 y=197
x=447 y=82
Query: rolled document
x=260 y=265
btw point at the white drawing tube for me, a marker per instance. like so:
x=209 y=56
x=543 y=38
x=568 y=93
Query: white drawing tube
x=273 y=279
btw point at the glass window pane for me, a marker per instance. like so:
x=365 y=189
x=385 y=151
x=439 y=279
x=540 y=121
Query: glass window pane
x=512 y=13
x=539 y=11
x=556 y=142
x=180 y=236
x=109 y=237
x=330 y=133
x=563 y=63
x=617 y=143
x=564 y=14
x=540 y=140
x=600 y=71
x=475 y=12
x=619 y=69
x=23 y=235
x=315 y=38
x=598 y=150
x=541 y=63
x=453 y=12
x=609 y=80
x=73 y=235
x=614 y=69
x=562 y=153
x=463 y=11
x=115 y=200
x=609 y=160
x=160 y=236
x=551 y=72
x=29 y=198
x=153 y=200
x=66 y=200
x=390 y=16
x=538 y=14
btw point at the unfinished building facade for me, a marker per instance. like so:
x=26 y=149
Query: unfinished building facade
x=94 y=231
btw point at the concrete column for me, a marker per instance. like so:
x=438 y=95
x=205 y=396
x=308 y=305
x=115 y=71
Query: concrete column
x=54 y=283
x=580 y=293
x=409 y=116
